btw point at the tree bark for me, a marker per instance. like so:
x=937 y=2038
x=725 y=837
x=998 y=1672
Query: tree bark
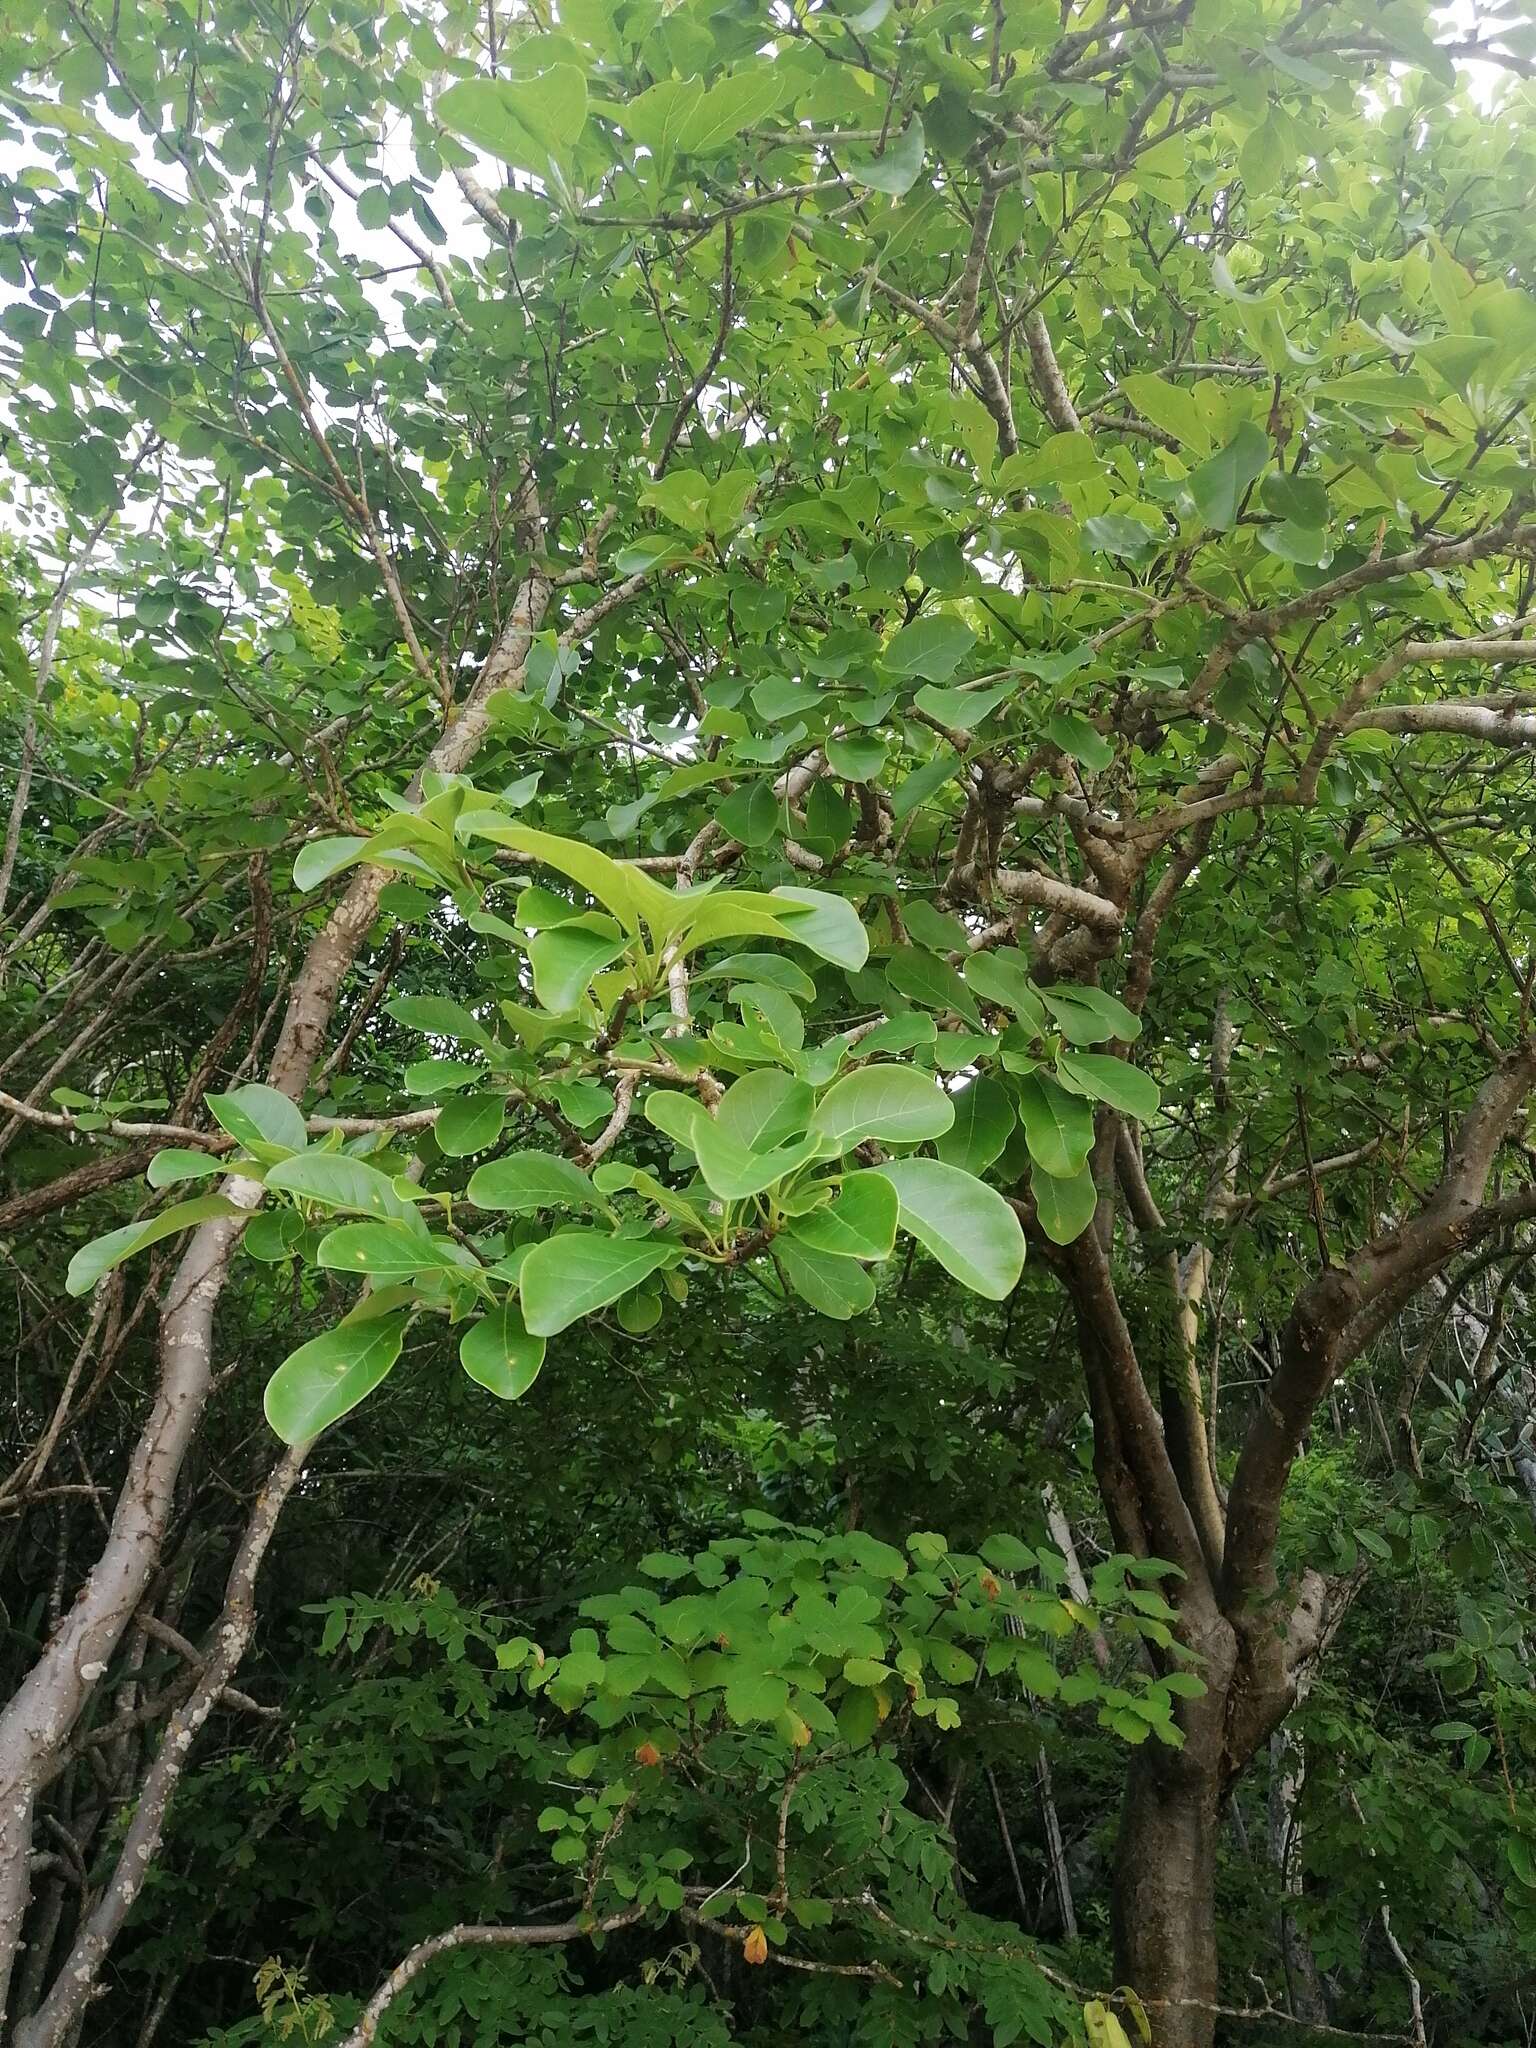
x=42 y=1713
x=1164 y=1896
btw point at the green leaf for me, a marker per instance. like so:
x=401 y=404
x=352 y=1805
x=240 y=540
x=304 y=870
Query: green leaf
x=1106 y=1079
x=1065 y=1207
x=755 y=1696
x=834 y=1286
x=966 y=1225
x=1302 y=500
x=319 y=859
x=176 y=1164
x=439 y=1017
x=752 y=814
x=389 y=1251
x=860 y=1224
x=856 y=759
x=1088 y=1016
x=1075 y=736
x=932 y=647
x=498 y=1353
x=523 y=1181
x=733 y=1171
x=327 y=1377
x=1169 y=406
x=519 y=121
x=764 y=1109
x=926 y=979
x=882 y=1101
x=1220 y=483
x=983 y=1124
x=103 y=1253
x=564 y=959
x=959 y=710
x=1058 y=1127
x=257 y=1114
x=470 y=1123
x=1003 y=977
x=627 y=891
x=823 y=924
x=577 y=1272
x=896 y=169
x=341 y=1182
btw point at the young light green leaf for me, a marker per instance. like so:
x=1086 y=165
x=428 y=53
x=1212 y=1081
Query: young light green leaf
x=522 y=121
x=319 y=859
x=823 y=924
x=564 y=960
x=966 y=1225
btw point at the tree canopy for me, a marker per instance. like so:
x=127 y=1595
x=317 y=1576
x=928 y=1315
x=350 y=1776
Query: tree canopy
x=766 y=963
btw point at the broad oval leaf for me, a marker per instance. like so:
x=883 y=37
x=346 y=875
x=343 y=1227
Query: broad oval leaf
x=177 y=1163
x=524 y=1181
x=828 y=925
x=860 y=1224
x=389 y=1251
x=764 y=1109
x=1058 y=1127
x=883 y=1101
x=968 y=1227
x=499 y=1354
x=564 y=960
x=983 y=1124
x=837 y=1287
x=327 y=1377
x=1106 y=1079
x=1065 y=1207
x=341 y=1182
x=577 y=1272
x=1089 y=1016
x=257 y=1114
x=470 y=1123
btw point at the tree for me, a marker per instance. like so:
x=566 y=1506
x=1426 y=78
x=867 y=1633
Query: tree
x=721 y=660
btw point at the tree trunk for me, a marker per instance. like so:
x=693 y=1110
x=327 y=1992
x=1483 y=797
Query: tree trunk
x=1164 y=1902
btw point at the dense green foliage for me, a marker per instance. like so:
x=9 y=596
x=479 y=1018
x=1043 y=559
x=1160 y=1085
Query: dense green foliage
x=766 y=958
